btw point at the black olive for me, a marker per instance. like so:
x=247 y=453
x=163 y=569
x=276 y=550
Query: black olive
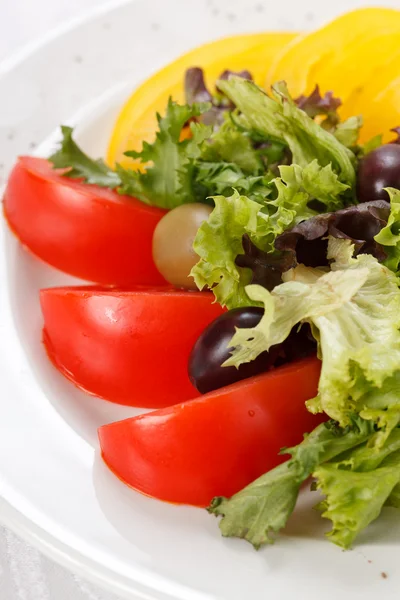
x=377 y=170
x=211 y=351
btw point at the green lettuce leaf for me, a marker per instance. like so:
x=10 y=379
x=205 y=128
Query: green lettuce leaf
x=219 y=239
x=281 y=120
x=394 y=498
x=370 y=145
x=348 y=131
x=220 y=178
x=166 y=181
x=382 y=406
x=369 y=456
x=230 y=145
x=355 y=499
x=354 y=313
x=167 y=178
x=218 y=243
x=261 y=509
x=356 y=477
x=80 y=165
x=389 y=236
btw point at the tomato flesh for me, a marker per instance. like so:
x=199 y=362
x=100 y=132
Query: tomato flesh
x=130 y=347
x=216 y=444
x=84 y=230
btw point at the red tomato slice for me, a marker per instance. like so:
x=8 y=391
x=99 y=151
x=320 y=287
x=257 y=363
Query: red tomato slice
x=85 y=230
x=217 y=444
x=130 y=347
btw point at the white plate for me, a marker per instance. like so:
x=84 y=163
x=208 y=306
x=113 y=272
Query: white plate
x=56 y=491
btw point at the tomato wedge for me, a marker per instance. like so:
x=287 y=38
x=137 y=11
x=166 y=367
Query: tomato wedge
x=87 y=231
x=217 y=444
x=130 y=347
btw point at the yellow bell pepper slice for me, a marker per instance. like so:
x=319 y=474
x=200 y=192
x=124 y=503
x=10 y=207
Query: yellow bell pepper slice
x=137 y=120
x=340 y=56
x=380 y=106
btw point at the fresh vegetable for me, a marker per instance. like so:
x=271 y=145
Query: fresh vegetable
x=196 y=91
x=219 y=241
x=389 y=236
x=308 y=242
x=212 y=349
x=315 y=105
x=354 y=312
x=263 y=508
x=84 y=230
x=215 y=444
x=137 y=120
x=165 y=182
x=357 y=478
x=380 y=106
x=173 y=240
x=77 y=165
x=325 y=109
x=368 y=41
x=279 y=118
x=177 y=171
x=130 y=347
x=378 y=170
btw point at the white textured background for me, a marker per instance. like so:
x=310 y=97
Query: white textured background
x=25 y=574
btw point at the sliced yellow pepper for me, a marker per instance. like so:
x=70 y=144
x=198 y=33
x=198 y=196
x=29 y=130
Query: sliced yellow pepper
x=340 y=56
x=380 y=107
x=137 y=120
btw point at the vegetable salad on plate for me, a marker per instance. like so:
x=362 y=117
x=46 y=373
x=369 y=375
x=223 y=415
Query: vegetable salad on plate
x=244 y=245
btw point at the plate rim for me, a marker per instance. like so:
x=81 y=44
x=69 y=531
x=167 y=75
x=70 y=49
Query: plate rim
x=67 y=557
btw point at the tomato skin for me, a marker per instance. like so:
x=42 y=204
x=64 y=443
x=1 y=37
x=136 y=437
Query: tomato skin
x=84 y=230
x=217 y=444
x=130 y=347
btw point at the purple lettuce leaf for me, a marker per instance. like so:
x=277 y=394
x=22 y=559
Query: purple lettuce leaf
x=197 y=91
x=316 y=105
x=195 y=86
x=267 y=268
x=307 y=242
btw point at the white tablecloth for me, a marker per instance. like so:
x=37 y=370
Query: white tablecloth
x=25 y=574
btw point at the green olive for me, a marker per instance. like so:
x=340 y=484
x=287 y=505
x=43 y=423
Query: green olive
x=173 y=243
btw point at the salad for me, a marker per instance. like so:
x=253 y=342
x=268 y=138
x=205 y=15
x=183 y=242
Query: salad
x=243 y=237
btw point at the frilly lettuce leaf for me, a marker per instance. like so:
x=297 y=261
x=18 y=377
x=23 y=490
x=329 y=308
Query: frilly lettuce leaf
x=80 y=166
x=347 y=132
x=389 y=236
x=165 y=182
x=261 y=509
x=196 y=91
x=218 y=243
x=220 y=178
x=356 y=476
x=232 y=146
x=315 y=105
x=280 y=119
x=219 y=240
x=354 y=313
x=370 y=456
x=355 y=499
x=166 y=179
